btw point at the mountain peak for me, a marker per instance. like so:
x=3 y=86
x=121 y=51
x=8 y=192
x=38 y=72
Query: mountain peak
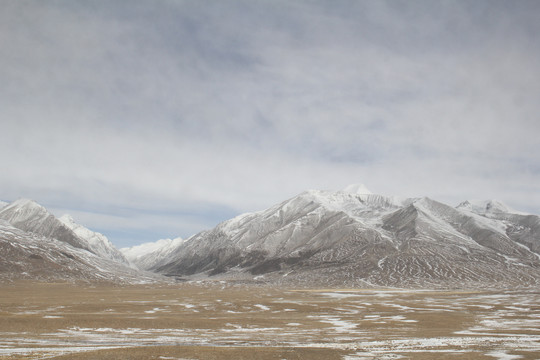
x=486 y=207
x=27 y=215
x=25 y=204
x=359 y=189
x=22 y=210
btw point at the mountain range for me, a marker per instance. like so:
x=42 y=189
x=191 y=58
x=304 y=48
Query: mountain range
x=349 y=238
x=355 y=238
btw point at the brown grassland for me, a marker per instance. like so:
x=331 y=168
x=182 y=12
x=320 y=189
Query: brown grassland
x=227 y=321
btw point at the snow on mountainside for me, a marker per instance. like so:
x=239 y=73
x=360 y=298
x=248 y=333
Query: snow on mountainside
x=147 y=255
x=30 y=256
x=97 y=242
x=355 y=238
x=3 y=204
x=488 y=207
x=35 y=245
x=29 y=216
x=318 y=238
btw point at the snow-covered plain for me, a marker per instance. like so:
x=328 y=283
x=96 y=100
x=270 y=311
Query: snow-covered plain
x=368 y=324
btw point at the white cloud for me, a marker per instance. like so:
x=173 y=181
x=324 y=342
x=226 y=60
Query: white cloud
x=239 y=105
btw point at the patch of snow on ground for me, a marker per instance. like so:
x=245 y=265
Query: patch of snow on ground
x=262 y=307
x=503 y=355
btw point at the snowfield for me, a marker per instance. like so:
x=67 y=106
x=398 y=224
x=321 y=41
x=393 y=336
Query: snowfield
x=345 y=324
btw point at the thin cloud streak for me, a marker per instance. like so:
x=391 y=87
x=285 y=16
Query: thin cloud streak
x=238 y=105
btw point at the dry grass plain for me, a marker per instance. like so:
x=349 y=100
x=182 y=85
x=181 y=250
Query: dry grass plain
x=224 y=321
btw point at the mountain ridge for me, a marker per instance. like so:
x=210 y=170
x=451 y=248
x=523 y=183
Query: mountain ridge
x=98 y=243
x=347 y=238
x=28 y=215
x=35 y=245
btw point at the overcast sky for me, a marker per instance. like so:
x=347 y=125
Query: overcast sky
x=157 y=119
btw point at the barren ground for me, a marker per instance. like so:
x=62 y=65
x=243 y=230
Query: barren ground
x=222 y=321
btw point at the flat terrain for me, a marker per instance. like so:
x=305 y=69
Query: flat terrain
x=223 y=321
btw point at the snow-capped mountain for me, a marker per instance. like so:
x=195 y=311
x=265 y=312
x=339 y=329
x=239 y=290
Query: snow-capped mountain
x=148 y=255
x=98 y=243
x=35 y=245
x=29 y=216
x=30 y=256
x=3 y=204
x=356 y=238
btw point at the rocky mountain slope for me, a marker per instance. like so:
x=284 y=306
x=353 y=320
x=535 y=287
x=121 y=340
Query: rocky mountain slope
x=29 y=256
x=29 y=216
x=35 y=245
x=351 y=238
x=97 y=243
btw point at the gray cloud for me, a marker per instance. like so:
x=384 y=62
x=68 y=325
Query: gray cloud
x=179 y=107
